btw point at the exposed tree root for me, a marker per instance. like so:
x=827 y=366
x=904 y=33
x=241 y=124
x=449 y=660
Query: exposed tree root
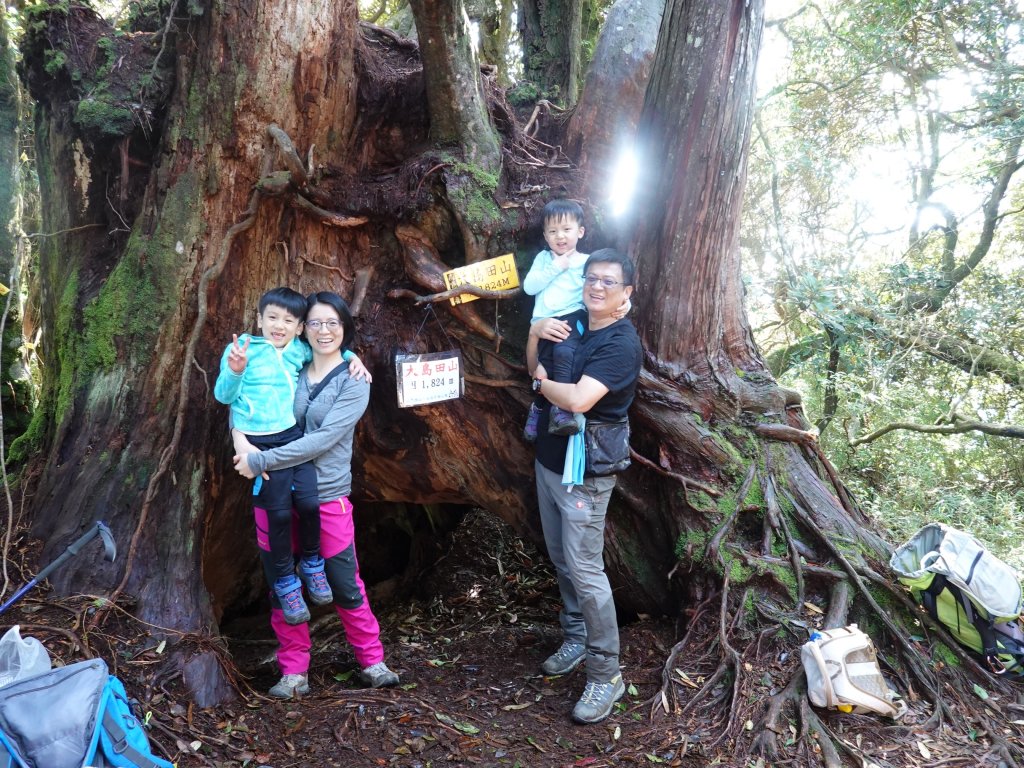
x=686 y=482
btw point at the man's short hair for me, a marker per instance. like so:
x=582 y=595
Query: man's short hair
x=562 y=209
x=292 y=302
x=612 y=256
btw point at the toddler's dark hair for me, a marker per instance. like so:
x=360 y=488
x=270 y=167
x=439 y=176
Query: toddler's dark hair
x=561 y=209
x=292 y=302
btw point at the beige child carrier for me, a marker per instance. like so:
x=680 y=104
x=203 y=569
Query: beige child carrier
x=842 y=673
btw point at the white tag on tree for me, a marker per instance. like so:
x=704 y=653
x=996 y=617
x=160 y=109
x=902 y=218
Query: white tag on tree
x=429 y=378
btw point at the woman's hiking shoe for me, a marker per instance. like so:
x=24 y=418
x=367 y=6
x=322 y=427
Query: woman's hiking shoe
x=562 y=422
x=565 y=659
x=379 y=676
x=597 y=700
x=530 y=430
x=289 y=685
x=311 y=571
x=289 y=594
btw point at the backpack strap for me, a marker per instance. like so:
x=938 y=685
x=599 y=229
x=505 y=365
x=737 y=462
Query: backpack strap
x=6 y=758
x=119 y=740
x=325 y=381
x=930 y=595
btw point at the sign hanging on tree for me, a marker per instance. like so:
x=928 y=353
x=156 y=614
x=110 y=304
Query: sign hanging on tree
x=429 y=378
x=497 y=274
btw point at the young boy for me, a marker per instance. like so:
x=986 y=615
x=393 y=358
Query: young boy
x=556 y=279
x=258 y=376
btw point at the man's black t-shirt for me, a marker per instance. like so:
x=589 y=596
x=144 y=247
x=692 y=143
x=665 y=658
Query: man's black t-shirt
x=612 y=356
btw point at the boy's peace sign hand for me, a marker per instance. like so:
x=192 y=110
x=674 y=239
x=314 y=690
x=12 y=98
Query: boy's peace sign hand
x=238 y=357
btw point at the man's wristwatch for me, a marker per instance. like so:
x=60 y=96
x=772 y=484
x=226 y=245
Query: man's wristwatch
x=536 y=385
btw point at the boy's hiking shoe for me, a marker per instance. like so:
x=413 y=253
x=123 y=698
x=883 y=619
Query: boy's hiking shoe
x=311 y=571
x=565 y=659
x=562 y=422
x=530 y=430
x=289 y=685
x=597 y=700
x=289 y=594
x=379 y=676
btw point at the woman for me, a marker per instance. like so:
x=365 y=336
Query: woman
x=329 y=402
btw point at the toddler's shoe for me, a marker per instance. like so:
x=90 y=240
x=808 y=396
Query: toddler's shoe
x=562 y=422
x=530 y=430
x=289 y=593
x=311 y=571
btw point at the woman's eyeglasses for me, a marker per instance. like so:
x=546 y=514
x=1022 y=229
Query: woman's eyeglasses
x=316 y=325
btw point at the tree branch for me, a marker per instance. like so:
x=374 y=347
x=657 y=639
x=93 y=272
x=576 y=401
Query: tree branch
x=959 y=426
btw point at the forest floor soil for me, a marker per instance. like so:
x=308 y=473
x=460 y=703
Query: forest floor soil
x=468 y=651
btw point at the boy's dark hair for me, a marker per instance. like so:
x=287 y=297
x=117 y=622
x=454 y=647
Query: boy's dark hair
x=339 y=305
x=612 y=256
x=562 y=209
x=292 y=302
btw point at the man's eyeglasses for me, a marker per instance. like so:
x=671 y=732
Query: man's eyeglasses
x=607 y=282
x=316 y=325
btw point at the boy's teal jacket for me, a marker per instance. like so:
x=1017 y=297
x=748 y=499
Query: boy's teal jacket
x=261 y=397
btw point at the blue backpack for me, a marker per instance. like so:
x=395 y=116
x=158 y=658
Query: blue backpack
x=71 y=717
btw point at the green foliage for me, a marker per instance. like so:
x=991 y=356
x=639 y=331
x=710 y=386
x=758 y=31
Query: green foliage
x=104 y=116
x=524 y=93
x=891 y=121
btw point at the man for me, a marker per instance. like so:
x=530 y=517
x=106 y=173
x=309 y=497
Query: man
x=605 y=371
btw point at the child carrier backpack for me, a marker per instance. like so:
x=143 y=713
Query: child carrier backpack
x=842 y=673
x=971 y=591
x=71 y=717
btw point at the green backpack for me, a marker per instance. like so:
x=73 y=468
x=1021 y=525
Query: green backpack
x=972 y=592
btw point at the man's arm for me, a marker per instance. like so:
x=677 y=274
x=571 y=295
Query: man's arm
x=578 y=398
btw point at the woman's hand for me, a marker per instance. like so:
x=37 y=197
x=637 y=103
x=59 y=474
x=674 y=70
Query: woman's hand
x=357 y=370
x=242 y=466
x=550 y=328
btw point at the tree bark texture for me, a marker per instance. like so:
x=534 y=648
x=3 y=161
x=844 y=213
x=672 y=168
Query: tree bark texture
x=603 y=125
x=458 y=110
x=551 y=32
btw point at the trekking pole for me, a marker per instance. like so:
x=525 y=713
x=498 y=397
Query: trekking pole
x=109 y=552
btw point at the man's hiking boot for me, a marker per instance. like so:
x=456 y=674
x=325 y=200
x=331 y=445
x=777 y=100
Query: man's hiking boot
x=530 y=430
x=311 y=571
x=565 y=659
x=597 y=700
x=379 y=676
x=289 y=685
x=562 y=422
x=289 y=593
